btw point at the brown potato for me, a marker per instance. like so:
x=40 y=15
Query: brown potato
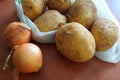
x=105 y=33
x=33 y=8
x=60 y=5
x=75 y=42
x=50 y=20
x=83 y=12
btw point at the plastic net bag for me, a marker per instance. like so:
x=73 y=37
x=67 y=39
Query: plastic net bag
x=111 y=55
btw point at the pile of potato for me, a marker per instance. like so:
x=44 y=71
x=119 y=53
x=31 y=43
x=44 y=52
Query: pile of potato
x=80 y=33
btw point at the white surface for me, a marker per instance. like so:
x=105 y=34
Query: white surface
x=114 y=7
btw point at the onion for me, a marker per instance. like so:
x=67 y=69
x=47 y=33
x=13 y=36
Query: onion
x=17 y=33
x=27 y=58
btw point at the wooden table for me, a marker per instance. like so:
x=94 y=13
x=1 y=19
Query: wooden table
x=55 y=65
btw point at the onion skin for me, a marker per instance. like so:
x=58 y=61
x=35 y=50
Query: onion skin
x=17 y=33
x=27 y=58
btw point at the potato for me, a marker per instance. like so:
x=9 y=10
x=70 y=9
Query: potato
x=50 y=20
x=105 y=33
x=60 y=5
x=83 y=12
x=33 y=8
x=75 y=42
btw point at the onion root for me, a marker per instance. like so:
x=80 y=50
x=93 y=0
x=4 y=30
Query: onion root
x=6 y=61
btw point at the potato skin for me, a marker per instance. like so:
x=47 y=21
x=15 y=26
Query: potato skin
x=105 y=33
x=75 y=42
x=83 y=12
x=33 y=8
x=50 y=20
x=60 y=5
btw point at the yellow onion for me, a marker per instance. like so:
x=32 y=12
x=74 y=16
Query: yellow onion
x=27 y=58
x=17 y=33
